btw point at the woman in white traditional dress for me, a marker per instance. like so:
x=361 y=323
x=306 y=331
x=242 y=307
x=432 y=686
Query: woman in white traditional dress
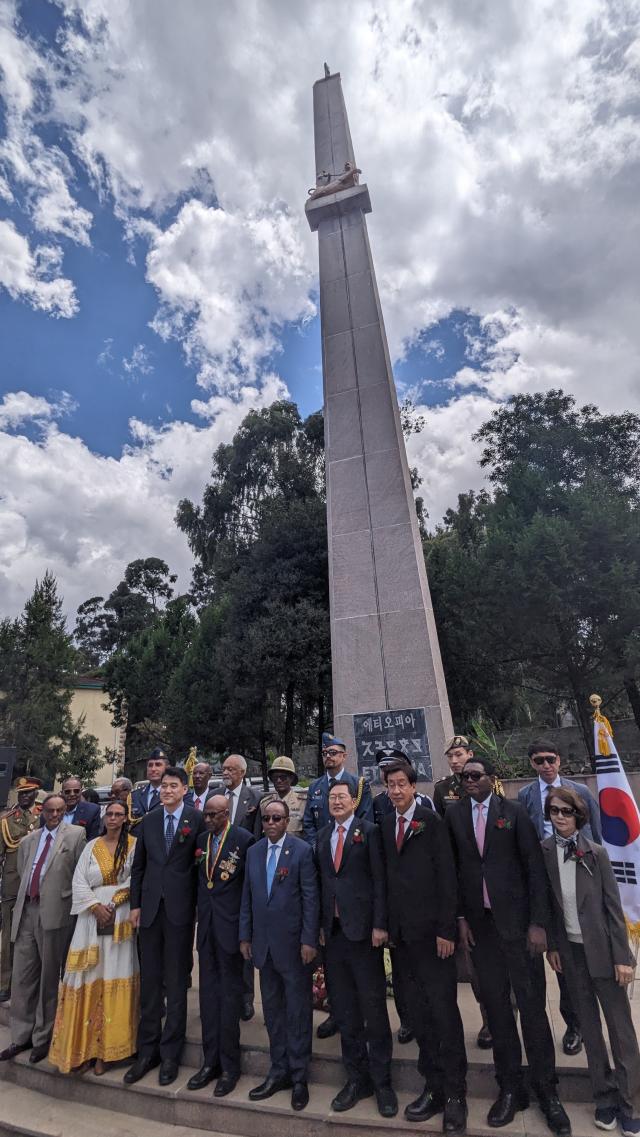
x=98 y=1004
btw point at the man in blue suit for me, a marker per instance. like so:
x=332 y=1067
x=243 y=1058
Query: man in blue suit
x=544 y=757
x=146 y=798
x=279 y=925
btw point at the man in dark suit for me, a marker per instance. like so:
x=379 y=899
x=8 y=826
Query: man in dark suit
x=146 y=798
x=243 y=800
x=200 y=794
x=77 y=811
x=221 y=866
x=163 y=894
x=353 y=921
x=382 y=805
x=545 y=761
x=421 y=897
x=503 y=913
x=316 y=813
x=279 y=921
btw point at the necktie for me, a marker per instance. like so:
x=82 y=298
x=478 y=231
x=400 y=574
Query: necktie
x=400 y=837
x=570 y=850
x=337 y=860
x=231 y=794
x=332 y=782
x=198 y=803
x=34 y=887
x=481 y=828
x=214 y=847
x=155 y=798
x=271 y=867
x=169 y=833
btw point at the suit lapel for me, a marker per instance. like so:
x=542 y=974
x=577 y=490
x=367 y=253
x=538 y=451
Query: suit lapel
x=348 y=842
x=537 y=806
x=550 y=855
x=493 y=813
x=467 y=822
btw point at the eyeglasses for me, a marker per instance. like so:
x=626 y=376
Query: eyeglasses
x=214 y=812
x=273 y=817
x=331 y=753
x=471 y=776
x=562 y=811
x=545 y=759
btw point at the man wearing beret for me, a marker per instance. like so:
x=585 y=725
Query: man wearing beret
x=15 y=823
x=316 y=812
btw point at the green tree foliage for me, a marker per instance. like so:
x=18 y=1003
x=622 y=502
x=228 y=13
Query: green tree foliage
x=257 y=672
x=36 y=669
x=82 y=756
x=537 y=586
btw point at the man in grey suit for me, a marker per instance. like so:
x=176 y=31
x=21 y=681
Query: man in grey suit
x=47 y=859
x=544 y=758
x=243 y=800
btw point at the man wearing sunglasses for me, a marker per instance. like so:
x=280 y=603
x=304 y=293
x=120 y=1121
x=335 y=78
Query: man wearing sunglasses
x=544 y=757
x=504 y=910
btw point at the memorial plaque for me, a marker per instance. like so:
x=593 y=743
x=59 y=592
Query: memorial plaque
x=406 y=730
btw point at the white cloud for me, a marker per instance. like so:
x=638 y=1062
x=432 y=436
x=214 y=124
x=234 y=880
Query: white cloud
x=85 y=516
x=31 y=274
x=18 y=407
x=137 y=365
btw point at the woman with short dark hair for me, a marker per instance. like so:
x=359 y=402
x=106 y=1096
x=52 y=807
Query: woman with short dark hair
x=588 y=942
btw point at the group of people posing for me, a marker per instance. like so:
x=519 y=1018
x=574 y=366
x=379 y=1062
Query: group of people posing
x=469 y=885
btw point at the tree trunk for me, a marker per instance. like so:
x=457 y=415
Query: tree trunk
x=288 y=720
x=633 y=695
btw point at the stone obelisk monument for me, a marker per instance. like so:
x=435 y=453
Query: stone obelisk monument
x=388 y=682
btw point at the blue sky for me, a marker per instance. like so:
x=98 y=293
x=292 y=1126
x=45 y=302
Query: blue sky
x=157 y=278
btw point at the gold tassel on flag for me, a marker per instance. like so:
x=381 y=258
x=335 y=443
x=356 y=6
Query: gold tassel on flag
x=191 y=762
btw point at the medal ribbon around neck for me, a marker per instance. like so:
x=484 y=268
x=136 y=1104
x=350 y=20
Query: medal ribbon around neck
x=211 y=868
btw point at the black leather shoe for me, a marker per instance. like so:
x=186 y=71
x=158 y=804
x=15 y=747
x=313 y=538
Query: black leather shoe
x=405 y=1034
x=555 y=1114
x=350 y=1095
x=168 y=1072
x=327 y=1029
x=506 y=1106
x=572 y=1041
x=205 y=1075
x=299 y=1096
x=269 y=1087
x=455 y=1116
x=484 y=1040
x=247 y=1011
x=387 y=1101
x=39 y=1052
x=424 y=1107
x=5 y=995
x=225 y=1084
x=140 y=1067
x=11 y=1051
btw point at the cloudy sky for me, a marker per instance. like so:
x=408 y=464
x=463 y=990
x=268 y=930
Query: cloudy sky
x=157 y=277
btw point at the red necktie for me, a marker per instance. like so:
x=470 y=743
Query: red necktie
x=198 y=803
x=400 y=837
x=34 y=887
x=337 y=860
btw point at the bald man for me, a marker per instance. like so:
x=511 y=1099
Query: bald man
x=221 y=862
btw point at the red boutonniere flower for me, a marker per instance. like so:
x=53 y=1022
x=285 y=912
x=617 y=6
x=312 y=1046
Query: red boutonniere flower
x=184 y=832
x=281 y=874
x=503 y=823
x=417 y=827
x=579 y=857
x=199 y=855
x=358 y=838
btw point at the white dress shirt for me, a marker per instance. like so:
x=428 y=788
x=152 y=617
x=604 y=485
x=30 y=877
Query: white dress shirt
x=44 y=833
x=334 y=777
x=278 y=846
x=198 y=802
x=408 y=816
x=69 y=818
x=544 y=790
x=176 y=818
x=334 y=836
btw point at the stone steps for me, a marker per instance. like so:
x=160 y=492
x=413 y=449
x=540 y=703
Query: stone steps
x=79 y=1104
x=327 y=1069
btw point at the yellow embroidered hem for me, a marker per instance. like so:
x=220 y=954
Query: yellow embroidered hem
x=97 y=1020
x=122 y=931
x=84 y=959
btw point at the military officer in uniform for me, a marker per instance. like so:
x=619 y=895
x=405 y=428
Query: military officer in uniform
x=283 y=776
x=15 y=823
x=449 y=789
